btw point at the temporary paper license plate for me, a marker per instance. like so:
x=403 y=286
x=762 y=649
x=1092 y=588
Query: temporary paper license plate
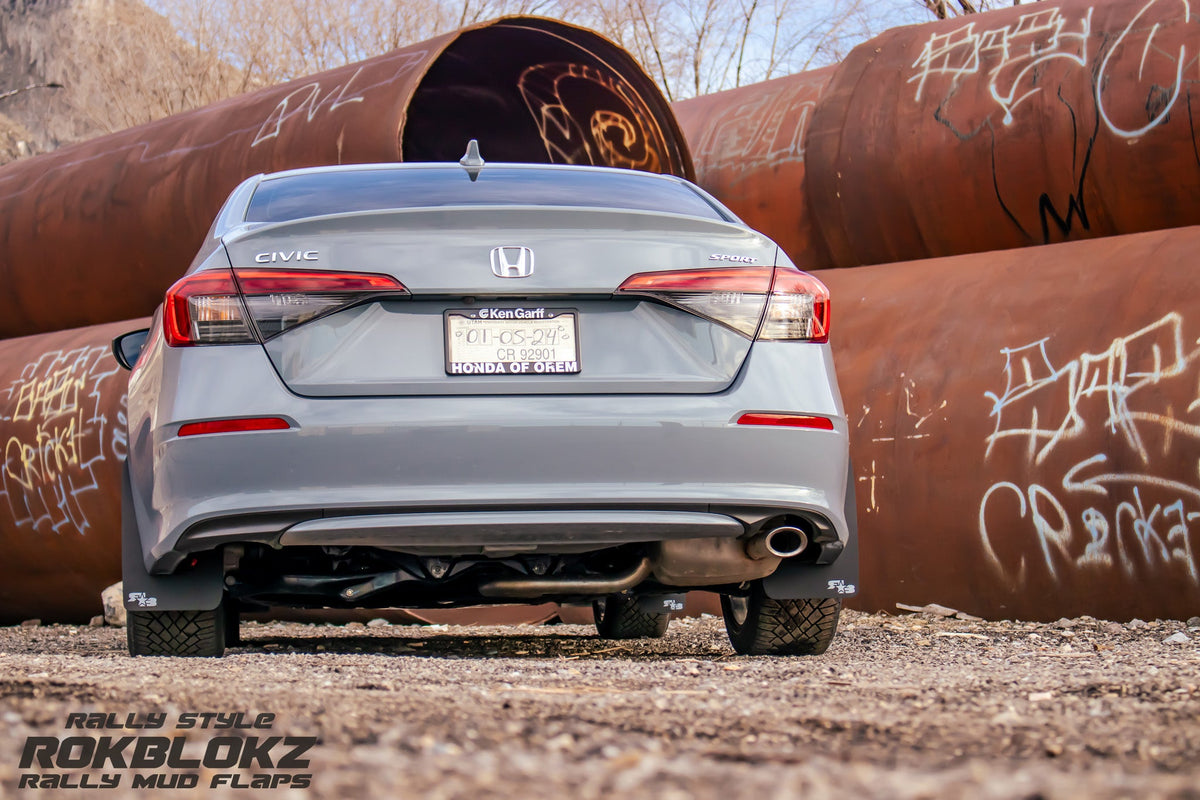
x=512 y=341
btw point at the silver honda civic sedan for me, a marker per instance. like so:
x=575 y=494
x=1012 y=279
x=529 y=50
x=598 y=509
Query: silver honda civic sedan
x=439 y=385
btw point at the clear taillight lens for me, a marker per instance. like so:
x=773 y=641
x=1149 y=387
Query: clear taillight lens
x=796 y=303
x=732 y=296
x=223 y=307
x=798 y=309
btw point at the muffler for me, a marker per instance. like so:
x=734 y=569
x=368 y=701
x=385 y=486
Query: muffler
x=784 y=541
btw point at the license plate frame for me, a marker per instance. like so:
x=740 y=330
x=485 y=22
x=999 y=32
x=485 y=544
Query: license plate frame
x=523 y=340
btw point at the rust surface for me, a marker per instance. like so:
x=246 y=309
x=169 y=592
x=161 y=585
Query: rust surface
x=748 y=146
x=1042 y=123
x=1025 y=442
x=1031 y=125
x=62 y=427
x=97 y=231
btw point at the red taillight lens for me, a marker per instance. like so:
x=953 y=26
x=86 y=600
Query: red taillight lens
x=787 y=421
x=212 y=307
x=234 y=426
x=205 y=308
x=276 y=281
x=730 y=279
x=796 y=304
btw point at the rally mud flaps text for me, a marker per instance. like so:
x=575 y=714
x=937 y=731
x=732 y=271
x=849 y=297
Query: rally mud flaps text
x=241 y=753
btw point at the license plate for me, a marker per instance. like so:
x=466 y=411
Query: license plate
x=512 y=341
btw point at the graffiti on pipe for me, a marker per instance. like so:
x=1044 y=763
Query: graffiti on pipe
x=1135 y=505
x=302 y=105
x=1087 y=82
x=578 y=128
x=766 y=128
x=1009 y=58
x=56 y=435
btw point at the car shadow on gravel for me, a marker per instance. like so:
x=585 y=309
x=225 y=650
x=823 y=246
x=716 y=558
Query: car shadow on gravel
x=571 y=647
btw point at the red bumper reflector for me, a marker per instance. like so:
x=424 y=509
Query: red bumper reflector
x=234 y=426
x=787 y=421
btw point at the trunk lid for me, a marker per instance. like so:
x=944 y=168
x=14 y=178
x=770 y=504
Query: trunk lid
x=444 y=257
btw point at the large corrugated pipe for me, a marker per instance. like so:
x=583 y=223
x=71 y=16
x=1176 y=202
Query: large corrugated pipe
x=97 y=231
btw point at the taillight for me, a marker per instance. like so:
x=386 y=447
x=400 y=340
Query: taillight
x=222 y=307
x=282 y=299
x=205 y=308
x=732 y=296
x=796 y=303
x=799 y=309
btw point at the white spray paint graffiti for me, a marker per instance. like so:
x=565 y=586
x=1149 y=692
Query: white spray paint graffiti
x=1133 y=519
x=302 y=105
x=628 y=137
x=1007 y=55
x=766 y=128
x=56 y=435
x=1010 y=57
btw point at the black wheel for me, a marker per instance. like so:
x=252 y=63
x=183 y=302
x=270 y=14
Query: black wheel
x=177 y=633
x=619 y=617
x=760 y=626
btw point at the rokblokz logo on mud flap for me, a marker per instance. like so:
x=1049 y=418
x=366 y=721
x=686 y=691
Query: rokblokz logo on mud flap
x=241 y=750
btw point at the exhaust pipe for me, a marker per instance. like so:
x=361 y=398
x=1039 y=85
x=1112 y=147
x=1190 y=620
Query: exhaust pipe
x=782 y=542
x=538 y=587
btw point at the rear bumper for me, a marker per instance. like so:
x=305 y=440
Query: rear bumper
x=503 y=532
x=450 y=474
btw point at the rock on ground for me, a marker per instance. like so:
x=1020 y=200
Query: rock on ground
x=113 y=599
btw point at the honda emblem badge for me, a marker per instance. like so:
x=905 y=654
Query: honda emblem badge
x=512 y=262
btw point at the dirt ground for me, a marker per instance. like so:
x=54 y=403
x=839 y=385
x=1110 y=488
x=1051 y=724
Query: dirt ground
x=909 y=706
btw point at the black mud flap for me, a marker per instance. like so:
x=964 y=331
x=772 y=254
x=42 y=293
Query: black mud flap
x=192 y=588
x=661 y=603
x=839 y=579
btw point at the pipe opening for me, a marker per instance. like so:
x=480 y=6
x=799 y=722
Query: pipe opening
x=537 y=91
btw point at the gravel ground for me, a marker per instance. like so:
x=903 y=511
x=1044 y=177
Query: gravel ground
x=911 y=706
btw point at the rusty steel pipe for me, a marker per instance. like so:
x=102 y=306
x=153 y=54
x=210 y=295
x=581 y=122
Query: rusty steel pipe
x=748 y=147
x=62 y=427
x=1024 y=126
x=1025 y=441
x=97 y=231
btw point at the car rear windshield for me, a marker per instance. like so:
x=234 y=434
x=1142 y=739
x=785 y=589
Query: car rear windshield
x=319 y=193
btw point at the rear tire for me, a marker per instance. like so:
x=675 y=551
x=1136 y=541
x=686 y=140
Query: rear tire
x=618 y=616
x=177 y=633
x=761 y=626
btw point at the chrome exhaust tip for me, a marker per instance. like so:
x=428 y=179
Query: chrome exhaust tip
x=784 y=541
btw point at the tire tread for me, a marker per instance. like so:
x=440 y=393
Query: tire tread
x=804 y=627
x=176 y=633
x=622 y=618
